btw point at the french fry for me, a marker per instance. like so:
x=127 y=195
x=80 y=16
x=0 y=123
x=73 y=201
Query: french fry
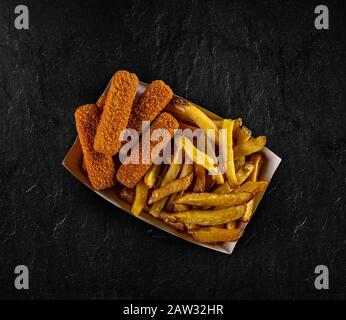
x=244 y=172
x=200 y=179
x=152 y=175
x=180 y=207
x=231 y=225
x=208 y=217
x=257 y=160
x=243 y=135
x=236 y=129
x=227 y=144
x=169 y=188
x=162 y=175
x=252 y=186
x=200 y=158
x=183 y=126
x=249 y=147
x=171 y=175
x=224 y=188
x=186 y=111
x=249 y=211
x=140 y=199
x=213 y=234
x=214 y=199
x=186 y=169
x=239 y=163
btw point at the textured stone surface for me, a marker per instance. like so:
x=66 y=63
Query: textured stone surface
x=264 y=62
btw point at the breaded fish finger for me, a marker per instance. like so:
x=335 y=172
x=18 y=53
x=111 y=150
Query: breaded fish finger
x=130 y=174
x=116 y=112
x=99 y=167
x=150 y=104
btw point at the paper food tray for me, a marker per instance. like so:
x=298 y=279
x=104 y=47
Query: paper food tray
x=73 y=160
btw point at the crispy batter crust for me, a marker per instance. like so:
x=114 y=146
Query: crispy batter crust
x=130 y=174
x=116 y=112
x=150 y=104
x=100 y=168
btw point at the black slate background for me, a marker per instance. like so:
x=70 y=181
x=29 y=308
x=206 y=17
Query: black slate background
x=263 y=61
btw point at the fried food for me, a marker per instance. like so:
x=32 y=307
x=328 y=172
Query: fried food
x=200 y=179
x=101 y=100
x=186 y=169
x=252 y=186
x=244 y=172
x=150 y=104
x=116 y=112
x=170 y=188
x=214 y=199
x=186 y=111
x=243 y=135
x=152 y=175
x=232 y=224
x=224 y=188
x=227 y=145
x=200 y=158
x=249 y=211
x=129 y=174
x=208 y=217
x=257 y=160
x=213 y=234
x=171 y=175
x=140 y=199
x=100 y=167
x=249 y=147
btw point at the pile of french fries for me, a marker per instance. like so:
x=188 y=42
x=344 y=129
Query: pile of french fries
x=193 y=197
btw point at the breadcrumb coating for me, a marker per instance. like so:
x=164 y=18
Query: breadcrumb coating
x=116 y=112
x=150 y=104
x=99 y=167
x=130 y=174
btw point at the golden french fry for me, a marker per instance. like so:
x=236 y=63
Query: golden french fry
x=231 y=225
x=214 y=199
x=171 y=175
x=243 y=135
x=196 y=155
x=152 y=175
x=249 y=147
x=208 y=217
x=227 y=144
x=186 y=169
x=239 y=163
x=249 y=211
x=183 y=126
x=252 y=186
x=257 y=160
x=213 y=234
x=224 y=188
x=140 y=199
x=180 y=207
x=244 y=172
x=169 y=188
x=186 y=111
x=200 y=179
x=200 y=158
